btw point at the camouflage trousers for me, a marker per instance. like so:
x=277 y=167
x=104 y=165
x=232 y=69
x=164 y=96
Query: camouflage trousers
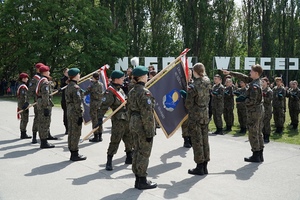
x=141 y=153
x=24 y=120
x=217 y=116
x=199 y=138
x=35 y=125
x=242 y=115
x=294 y=115
x=279 y=117
x=267 y=122
x=94 y=117
x=255 y=125
x=44 y=123
x=74 y=133
x=185 y=128
x=120 y=131
x=228 y=115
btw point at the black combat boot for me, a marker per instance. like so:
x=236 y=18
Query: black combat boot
x=198 y=170
x=96 y=138
x=143 y=184
x=76 y=157
x=243 y=130
x=128 y=159
x=228 y=128
x=266 y=138
x=295 y=126
x=190 y=140
x=34 y=141
x=24 y=135
x=205 y=167
x=254 y=158
x=219 y=131
x=108 y=166
x=50 y=137
x=261 y=155
x=100 y=136
x=45 y=144
x=137 y=180
x=187 y=143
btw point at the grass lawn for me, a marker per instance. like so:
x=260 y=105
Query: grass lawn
x=288 y=136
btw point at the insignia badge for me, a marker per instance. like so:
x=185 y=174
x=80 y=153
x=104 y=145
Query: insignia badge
x=171 y=100
x=47 y=88
x=103 y=99
x=78 y=93
x=149 y=101
x=30 y=84
x=87 y=100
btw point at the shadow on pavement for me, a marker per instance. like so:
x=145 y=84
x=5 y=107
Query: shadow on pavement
x=181 y=151
x=21 y=153
x=47 y=169
x=127 y=194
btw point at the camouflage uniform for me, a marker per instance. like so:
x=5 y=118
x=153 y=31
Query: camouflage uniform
x=22 y=98
x=95 y=91
x=267 y=96
x=31 y=93
x=241 y=108
x=73 y=95
x=217 y=103
x=120 y=125
x=255 y=110
x=228 y=107
x=279 y=107
x=294 y=96
x=141 y=105
x=197 y=104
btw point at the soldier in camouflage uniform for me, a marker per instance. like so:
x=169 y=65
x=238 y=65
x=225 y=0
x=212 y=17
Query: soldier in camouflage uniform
x=255 y=110
x=113 y=97
x=63 y=83
x=241 y=106
x=74 y=95
x=95 y=91
x=184 y=127
x=217 y=103
x=197 y=101
x=228 y=104
x=141 y=105
x=294 y=95
x=279 y=105
x=267 y=97
x=44 y=106
x=23 y=104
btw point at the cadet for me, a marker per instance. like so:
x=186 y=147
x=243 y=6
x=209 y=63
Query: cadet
x=63 y=83
x=241 y=106
x=74 y=96
x=113 y=97
x=267 y=96
x=279 y=106
x=197 y=104
x=228 y=104
x=294 y=96
x=44 y=106
x=142 y=126
x=95 y=91
x=217 y=103
x=23 y=104
x=255 y=110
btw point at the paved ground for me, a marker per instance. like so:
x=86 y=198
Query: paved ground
x=27 y=172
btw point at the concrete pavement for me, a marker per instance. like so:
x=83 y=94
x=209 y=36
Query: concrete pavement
x=28 y=172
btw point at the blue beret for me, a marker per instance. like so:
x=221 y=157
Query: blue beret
x=139 y=71
x=73 y=71
x=117 y=74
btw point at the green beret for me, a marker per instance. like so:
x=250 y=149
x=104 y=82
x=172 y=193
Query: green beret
x=73 y=71
x=139 y=71
x=117 y=74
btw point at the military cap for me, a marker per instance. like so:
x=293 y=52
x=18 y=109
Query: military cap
x=23 y=75
x=73 y=71
x=139 y=71
x=38 y=65
x=117 y=74
x=44 y=68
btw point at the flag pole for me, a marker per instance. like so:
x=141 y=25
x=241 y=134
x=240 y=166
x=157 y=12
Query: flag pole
x=123 y=104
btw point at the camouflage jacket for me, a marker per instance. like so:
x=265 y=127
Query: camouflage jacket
x=22 y=95
x=268 y=96
x=228 y=97
x=294 y=97
x=43 y=91
x=73 y=95
x=197 y=100
x=96 y=93
x=279 y=95
x=32 y=86
x=217 y=96
x=141 y=103
x=110 y=100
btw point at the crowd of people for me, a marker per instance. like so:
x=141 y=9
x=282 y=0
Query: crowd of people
x=134 y=122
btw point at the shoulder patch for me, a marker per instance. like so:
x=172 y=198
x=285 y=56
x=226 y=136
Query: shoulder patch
x=103 y=99
x=149 y=101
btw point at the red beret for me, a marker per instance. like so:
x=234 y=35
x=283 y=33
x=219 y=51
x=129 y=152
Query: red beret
x=23 y=75
x=44 y=68
x=38 y=65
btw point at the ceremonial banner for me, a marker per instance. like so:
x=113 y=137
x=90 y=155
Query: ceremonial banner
x=87 y=99
x=170 y=111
